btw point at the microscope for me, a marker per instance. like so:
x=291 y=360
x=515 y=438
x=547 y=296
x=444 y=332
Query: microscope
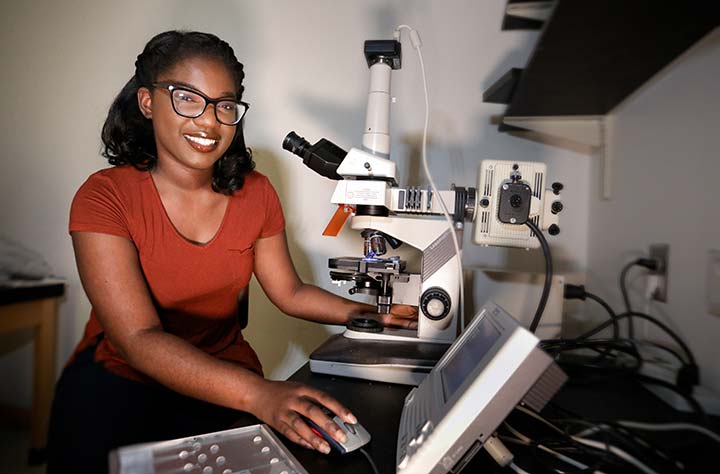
x=386 y=216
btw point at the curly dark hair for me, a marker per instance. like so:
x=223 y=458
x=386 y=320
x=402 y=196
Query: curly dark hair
x=127 y=135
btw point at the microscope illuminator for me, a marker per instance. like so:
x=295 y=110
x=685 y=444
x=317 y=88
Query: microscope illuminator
x=514 y=190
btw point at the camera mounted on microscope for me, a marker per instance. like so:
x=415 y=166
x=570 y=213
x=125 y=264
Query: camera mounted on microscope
x=385 y=51
x=515 y=198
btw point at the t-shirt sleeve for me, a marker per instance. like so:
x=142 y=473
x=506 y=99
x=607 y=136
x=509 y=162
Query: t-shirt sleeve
x=98 y=207
x=274 y=218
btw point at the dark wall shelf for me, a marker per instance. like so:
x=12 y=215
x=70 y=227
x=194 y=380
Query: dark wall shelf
x=591 y=55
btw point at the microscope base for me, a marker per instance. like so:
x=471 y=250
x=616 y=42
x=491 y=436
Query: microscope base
x=402 y=362
x=387 y=334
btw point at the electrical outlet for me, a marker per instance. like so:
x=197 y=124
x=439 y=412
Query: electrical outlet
x=660 y=252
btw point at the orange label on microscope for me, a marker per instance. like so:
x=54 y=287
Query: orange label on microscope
x=338 y=220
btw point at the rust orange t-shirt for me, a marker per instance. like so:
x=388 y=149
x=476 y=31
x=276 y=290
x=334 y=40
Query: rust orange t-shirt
x=194 y=288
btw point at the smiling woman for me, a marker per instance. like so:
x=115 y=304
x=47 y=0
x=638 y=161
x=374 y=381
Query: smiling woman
x=129 y=136
x=165 y=242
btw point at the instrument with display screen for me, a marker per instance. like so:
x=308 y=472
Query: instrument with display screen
x=494 y=365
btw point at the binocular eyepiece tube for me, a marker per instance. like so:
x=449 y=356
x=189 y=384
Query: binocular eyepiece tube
x=323 y=157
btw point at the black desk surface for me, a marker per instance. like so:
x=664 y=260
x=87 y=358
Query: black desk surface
x=18 y=291
x=378 y=406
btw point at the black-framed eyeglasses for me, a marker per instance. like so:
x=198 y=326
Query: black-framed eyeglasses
x=190 y=103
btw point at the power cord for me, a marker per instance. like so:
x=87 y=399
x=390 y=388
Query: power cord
x=650 y=264
x=548 y=274
x=684 y=393
x=689 y=374
x=670 y=332
x=607 y=348
x=577 y=292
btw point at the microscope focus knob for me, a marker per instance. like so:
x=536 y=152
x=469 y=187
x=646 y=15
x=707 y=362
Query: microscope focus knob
x=435 y=303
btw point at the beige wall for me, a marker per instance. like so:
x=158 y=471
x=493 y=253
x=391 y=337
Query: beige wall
x=665 y=190
x=63 y=62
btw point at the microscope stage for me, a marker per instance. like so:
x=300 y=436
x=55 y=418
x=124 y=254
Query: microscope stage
x=402 y=362
x=365 y=265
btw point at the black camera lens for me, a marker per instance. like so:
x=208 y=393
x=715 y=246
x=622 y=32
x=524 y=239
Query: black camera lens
x=295 y=144
x=516 y=200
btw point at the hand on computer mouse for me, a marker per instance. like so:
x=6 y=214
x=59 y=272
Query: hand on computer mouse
x=286 y=405
x=356 y=434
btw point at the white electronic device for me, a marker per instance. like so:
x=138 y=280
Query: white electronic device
x=494 y=365
x=250 y=449
x=544 y=209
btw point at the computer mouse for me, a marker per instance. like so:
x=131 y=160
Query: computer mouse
x=357 y=435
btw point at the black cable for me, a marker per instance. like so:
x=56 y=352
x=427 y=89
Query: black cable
x=644 y=442
x=548 y=274
x=611 y=313
x=626 y=297
x=697 y=408
x=572 y=292
x=370 y=460
x=561 y=441
x=676 y=338
x=603 y=346
x=605 y=456
x=650 y=264
x=609 y=432
x=666 y=349
x=688 y=375
x=634 y=444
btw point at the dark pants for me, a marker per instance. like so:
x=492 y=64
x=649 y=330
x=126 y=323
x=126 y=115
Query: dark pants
x=95 y=411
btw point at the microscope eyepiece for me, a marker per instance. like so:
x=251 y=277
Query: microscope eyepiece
x=323 y=157
x=295 y=144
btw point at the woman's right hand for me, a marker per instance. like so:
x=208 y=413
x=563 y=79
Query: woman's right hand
x=283 y=404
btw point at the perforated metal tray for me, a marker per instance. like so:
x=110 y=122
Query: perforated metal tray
x=249 y=450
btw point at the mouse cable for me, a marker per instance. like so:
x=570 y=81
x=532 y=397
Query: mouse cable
x=370 y=460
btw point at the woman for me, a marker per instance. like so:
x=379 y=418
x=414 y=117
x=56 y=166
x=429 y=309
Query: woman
x=165 y=242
